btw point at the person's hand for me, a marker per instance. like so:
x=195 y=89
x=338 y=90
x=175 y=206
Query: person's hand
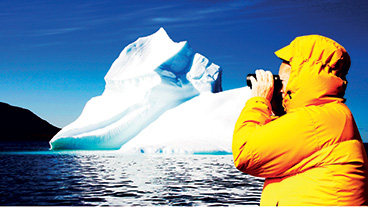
x=263 y=86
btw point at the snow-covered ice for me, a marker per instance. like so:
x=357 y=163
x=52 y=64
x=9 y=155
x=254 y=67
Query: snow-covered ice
x=159 y=97
x=205 y=124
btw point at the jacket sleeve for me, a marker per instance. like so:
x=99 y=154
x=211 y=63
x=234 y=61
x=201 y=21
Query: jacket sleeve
x=267 y=148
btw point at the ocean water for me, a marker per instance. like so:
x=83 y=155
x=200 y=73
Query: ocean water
x=30 y=174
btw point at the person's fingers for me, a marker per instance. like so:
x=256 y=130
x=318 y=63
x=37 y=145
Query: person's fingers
x=259 y=75
x=262 y=84
x=269 y=77
x=253 y=81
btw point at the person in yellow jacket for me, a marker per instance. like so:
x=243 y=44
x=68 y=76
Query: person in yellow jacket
x=312 y=155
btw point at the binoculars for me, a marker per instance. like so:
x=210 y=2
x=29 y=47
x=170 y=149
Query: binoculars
x=276 y=101
x=276 y=80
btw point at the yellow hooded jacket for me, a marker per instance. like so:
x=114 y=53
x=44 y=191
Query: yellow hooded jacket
x=313 y=155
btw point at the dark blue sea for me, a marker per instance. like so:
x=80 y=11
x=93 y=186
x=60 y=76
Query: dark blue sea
x=31 y=174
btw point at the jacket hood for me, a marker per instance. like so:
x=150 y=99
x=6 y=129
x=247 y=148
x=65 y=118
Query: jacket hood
x=319 y=67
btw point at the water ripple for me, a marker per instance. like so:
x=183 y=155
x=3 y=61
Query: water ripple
x=115 y=179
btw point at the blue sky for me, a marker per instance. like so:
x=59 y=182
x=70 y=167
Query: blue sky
x=55 y=54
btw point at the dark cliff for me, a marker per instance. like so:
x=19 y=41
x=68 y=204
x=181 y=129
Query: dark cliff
x=19 y=124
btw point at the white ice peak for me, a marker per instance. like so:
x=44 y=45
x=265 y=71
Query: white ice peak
x=149 y=53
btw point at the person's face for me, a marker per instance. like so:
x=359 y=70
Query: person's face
x=284 y=73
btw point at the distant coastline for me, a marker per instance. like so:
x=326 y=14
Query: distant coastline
x=19 y=124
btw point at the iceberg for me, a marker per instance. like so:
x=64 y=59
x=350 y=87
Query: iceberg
x=161 y=97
